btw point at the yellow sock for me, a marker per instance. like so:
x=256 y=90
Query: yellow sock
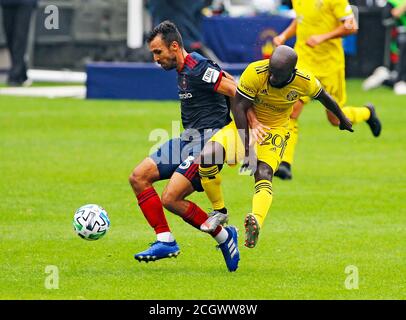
x=357 y=114
x=262 y=200
x=211 y=181
x=291 y=146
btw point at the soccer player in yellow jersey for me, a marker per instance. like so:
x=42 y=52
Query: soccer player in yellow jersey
x=271 y=87
x=319 y=27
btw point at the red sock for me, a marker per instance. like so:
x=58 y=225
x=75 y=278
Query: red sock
x=196 y=216
x=152 y=208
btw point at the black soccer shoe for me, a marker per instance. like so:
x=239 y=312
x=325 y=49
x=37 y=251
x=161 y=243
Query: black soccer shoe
x=284 y=171
x=373 y=121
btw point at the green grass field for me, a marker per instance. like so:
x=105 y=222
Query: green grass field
x=345 y=206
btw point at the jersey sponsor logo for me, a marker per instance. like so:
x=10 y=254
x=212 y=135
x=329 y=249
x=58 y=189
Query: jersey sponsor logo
x=262 y=103
x=184 y=96
x=292 y=95
x=211 y=75
x=248 y=90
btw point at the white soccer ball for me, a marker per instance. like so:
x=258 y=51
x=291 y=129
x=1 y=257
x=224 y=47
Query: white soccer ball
x=91 y=222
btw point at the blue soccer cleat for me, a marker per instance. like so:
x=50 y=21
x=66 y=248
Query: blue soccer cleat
x=229 y=248
x=158 y=250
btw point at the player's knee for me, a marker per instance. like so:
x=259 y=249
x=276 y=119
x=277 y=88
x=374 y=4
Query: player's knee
x=212 y=153
x=138 y=178
x=133 y=178
x=264 y=172
x=169 y=199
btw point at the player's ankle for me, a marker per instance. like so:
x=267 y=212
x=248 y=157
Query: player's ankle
x=165 y=237
x=222 y=210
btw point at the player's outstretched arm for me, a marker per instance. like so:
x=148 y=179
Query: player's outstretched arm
x=332 y=105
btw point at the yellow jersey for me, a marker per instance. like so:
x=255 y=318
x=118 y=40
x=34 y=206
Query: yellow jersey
x=273 y=106
x=316 y=17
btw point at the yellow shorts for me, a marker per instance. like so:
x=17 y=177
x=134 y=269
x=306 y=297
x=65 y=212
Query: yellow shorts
x=270 y=151
x=334 y=84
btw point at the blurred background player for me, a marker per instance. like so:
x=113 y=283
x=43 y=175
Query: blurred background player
x=187 y=16
x=202 y=87
x=17 y=16
x=319 y=27
x=393 y=71
x=271 y=87
x=399 y=13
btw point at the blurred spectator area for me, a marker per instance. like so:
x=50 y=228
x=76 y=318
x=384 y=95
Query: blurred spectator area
x=96 y=30
x=88 y=30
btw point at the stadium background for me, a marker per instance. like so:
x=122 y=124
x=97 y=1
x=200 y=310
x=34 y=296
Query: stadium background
x=344 y=207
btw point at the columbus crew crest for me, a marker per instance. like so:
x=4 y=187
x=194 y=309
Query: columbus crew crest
x=293 y=95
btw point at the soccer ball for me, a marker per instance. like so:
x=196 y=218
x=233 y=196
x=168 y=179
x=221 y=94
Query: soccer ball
x=91 y=222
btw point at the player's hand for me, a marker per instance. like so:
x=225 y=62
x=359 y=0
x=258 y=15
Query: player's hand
x=258 y=132
x=250 y=162
x=279 y=40
x=315 y=40
x=346 y=124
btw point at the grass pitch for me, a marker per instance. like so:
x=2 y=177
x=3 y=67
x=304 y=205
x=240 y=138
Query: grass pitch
x=344 y=207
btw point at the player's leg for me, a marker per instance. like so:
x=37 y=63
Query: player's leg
x=224 y=146
x=156 y=167
x=366 y=114
x=141 y=180
x=180 y=186
x=174 y=200
x=212 y=155
x=269 y=156
x=261 y=203
x=285 y=168
x=336 y=87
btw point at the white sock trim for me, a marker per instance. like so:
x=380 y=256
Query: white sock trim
x=165 y=237
x=221 y=236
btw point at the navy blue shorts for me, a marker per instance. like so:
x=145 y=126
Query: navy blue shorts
x=178 y=155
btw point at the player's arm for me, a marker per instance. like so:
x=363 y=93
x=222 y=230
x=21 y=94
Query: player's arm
x=342 y=11
x=226 y=86
x=288 y=33
x=258 y=130
x=239 y=107
x=332 y=105
x=228 y=76
x=347 y=27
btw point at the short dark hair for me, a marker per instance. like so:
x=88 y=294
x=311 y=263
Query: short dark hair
x=168 y=31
